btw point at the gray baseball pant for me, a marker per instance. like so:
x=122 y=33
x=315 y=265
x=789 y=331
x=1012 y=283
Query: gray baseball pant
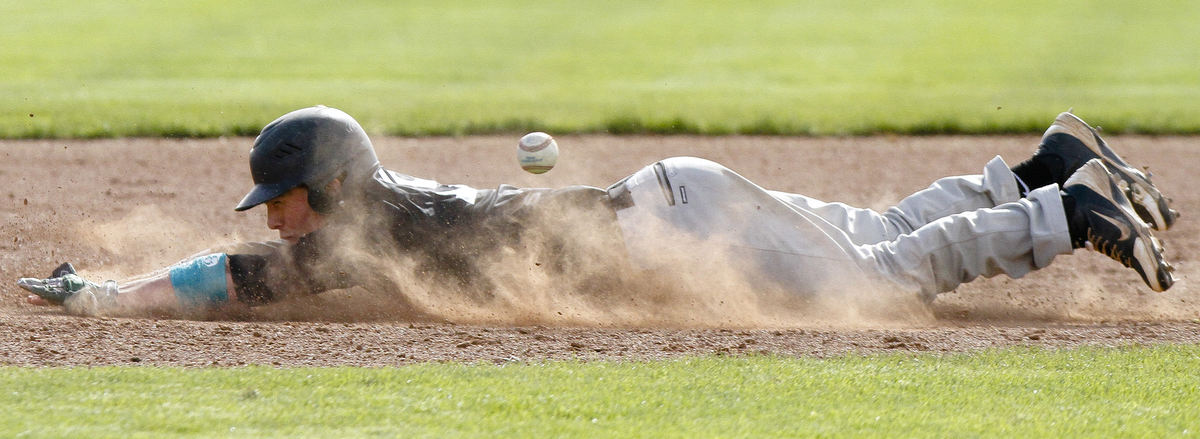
x=956 y=230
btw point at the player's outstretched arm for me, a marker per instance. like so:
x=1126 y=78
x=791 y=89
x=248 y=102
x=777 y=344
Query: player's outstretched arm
x=202 y=282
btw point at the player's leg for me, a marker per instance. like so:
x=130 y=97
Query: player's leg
x=1022 y=236
x=946 y=196
x=1068 y=144
x=1065 y=147
x=690 y=216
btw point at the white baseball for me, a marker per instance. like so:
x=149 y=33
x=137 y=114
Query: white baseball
x=537 y=152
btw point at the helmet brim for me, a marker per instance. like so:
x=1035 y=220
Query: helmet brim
x=263 y=193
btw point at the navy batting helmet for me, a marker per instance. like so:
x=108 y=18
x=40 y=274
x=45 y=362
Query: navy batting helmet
x=310 y=147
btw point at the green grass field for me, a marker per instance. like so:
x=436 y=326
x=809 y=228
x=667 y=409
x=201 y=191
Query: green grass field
x=1140 y=391
x=205 y=68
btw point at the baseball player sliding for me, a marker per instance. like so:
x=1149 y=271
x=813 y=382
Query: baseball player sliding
x=326 y=194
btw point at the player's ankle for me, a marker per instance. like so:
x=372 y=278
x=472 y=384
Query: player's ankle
x=1077 y=224
x=1043 y=169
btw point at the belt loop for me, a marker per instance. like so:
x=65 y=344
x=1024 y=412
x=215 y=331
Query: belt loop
x=619 y=196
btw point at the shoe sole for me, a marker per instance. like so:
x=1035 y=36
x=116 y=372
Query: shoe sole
x=1148 y=203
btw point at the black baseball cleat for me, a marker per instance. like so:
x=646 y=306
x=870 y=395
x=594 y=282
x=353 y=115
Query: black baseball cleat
x=1104 y=217
x=1073 y=140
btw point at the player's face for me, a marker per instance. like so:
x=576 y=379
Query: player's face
x=291 y=215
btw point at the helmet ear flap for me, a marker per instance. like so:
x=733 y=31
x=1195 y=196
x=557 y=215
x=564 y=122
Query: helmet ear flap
x=320 y=201
x=324 y=198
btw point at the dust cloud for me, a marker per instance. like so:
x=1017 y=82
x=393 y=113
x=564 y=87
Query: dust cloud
x=138 y=243
x=569 y=267
x=531 y=282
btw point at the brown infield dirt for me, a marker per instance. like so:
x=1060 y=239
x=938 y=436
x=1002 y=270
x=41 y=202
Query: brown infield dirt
x=118 y=208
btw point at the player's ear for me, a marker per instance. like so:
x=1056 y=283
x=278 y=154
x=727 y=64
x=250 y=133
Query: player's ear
x=334 y=188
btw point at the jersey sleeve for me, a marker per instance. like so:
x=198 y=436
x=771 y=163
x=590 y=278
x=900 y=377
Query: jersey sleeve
x=266 y=272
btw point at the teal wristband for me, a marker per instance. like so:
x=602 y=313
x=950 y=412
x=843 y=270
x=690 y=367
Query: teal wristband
x=200 y=282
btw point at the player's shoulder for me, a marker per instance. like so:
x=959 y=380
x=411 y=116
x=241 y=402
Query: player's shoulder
x=396 y=182
x=393 y=178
